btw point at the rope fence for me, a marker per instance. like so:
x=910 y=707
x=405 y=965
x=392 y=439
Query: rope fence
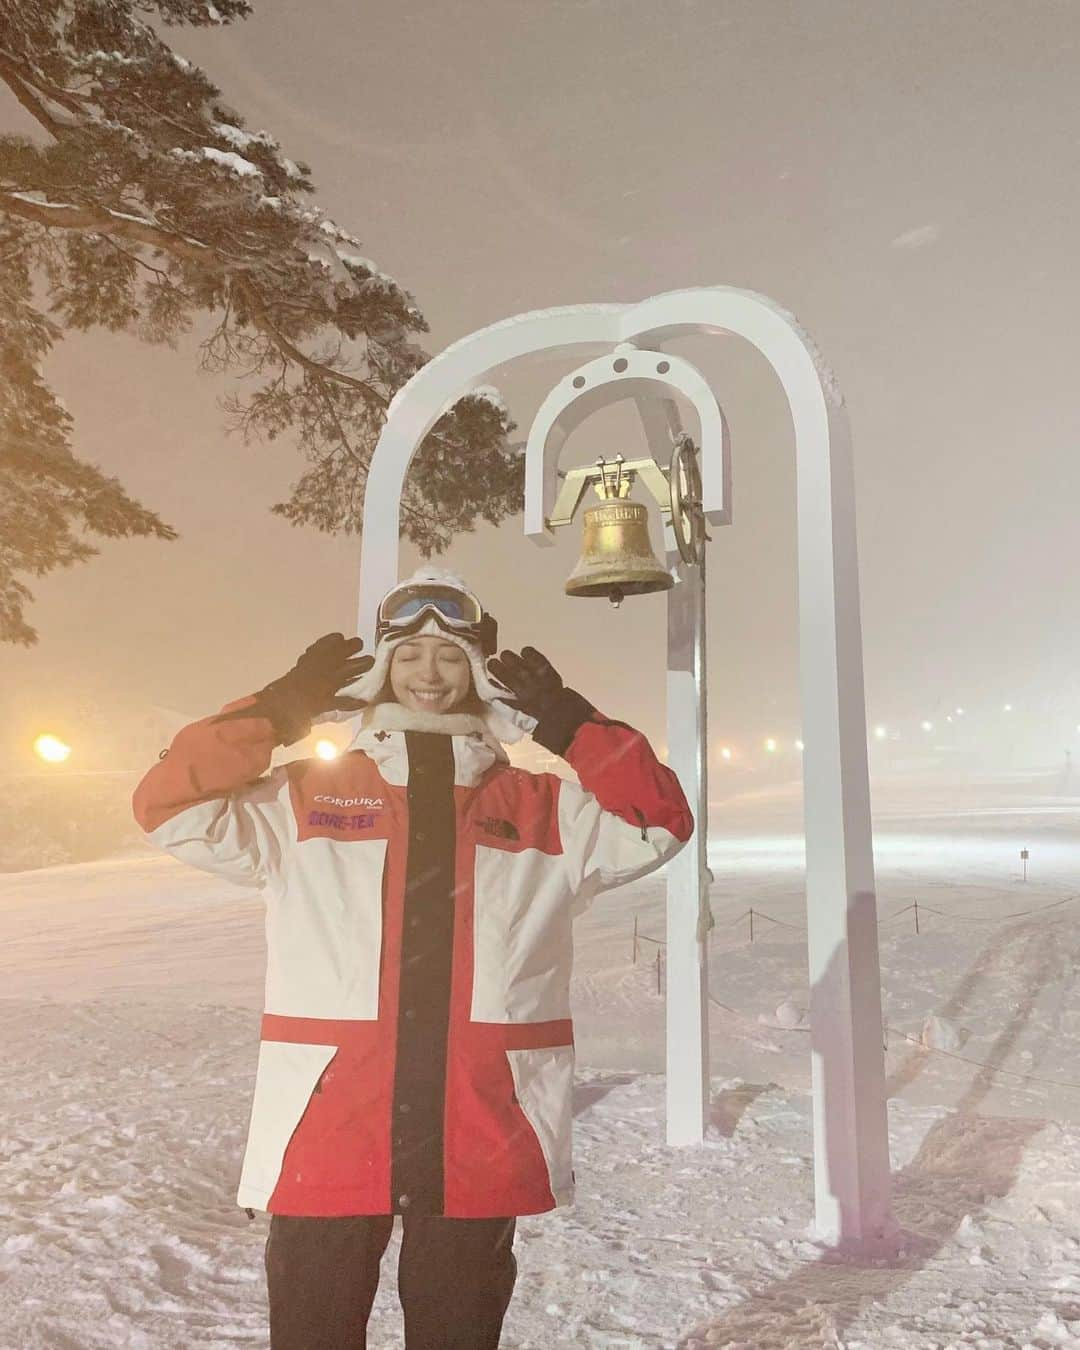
x=914 y=907
x=919 y=1045
x=982 y=1064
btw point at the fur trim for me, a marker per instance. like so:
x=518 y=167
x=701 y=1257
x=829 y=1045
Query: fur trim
x=395 y=716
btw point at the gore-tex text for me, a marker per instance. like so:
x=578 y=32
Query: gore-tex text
x=330 y=821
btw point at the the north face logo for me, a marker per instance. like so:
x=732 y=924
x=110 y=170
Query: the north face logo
x=505 y=829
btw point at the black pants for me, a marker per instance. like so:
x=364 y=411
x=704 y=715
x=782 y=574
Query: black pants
x=455 y=1279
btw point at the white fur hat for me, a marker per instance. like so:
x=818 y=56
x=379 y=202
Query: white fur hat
x=503 y=721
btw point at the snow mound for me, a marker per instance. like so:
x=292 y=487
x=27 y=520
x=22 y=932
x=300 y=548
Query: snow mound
x=938 y=1033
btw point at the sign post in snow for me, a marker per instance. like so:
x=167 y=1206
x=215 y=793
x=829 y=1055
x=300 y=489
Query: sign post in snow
x=1024 y=859
x=851 y=1153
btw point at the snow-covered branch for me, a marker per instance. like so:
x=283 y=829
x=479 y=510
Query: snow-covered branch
x=100 y=220
x=153 y=209
x=35 y=103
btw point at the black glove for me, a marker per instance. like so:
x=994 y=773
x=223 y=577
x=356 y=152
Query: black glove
x=537 y=689
x=310 y=688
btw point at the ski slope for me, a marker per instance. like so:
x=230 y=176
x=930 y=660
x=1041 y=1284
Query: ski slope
x=131 y=991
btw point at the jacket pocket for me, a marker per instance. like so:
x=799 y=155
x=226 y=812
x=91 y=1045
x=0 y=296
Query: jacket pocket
x=285 y=1079
x=522 y=941
x=543 y=1085
x=324 y=933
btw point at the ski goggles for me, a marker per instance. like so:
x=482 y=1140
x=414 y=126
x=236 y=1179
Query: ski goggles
x=406 y=610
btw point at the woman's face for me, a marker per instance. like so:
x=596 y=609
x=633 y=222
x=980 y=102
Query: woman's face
x=429 y=674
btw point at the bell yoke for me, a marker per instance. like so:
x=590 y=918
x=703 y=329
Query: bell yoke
x=417 y=1044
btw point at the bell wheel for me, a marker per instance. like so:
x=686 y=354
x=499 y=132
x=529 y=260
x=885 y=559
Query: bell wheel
x=687 y=517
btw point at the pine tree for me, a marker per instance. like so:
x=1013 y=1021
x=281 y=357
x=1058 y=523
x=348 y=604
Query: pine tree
x=146 y=206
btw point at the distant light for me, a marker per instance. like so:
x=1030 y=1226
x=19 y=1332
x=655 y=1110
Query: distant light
x=770 y=746
x=880 y=733
x=948 y=717
x=52 y=749
x=799 y=746
x=927 y=726
x=1007 y=708
x=959 y=712
x=725 y=752
x=326 y=750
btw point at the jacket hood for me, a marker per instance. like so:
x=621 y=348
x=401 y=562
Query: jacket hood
x=498 y=718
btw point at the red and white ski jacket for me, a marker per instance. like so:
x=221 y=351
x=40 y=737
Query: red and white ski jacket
x=417 y=1046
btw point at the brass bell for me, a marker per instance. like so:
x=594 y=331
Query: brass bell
x=616 y=555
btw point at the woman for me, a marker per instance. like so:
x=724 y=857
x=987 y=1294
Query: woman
x=417 y=1047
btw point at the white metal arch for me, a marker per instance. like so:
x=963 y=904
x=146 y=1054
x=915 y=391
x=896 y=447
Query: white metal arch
x=816 y=405
x=850 y=1132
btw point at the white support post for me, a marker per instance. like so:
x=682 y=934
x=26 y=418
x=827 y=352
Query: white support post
x=851 y=1142
x=687 y=1081
x=687 y=1029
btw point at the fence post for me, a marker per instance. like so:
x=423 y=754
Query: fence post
x=916 y=917
x=658 y=952
x=635 y=940
x=751 y=925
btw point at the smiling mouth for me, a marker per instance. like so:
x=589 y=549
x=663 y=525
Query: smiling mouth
x=429 y=695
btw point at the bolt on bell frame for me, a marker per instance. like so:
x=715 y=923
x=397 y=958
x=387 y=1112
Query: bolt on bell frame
x=851 y=1156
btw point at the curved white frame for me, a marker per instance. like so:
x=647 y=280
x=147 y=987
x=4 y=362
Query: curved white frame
x=850 y=1130
x=625 y=373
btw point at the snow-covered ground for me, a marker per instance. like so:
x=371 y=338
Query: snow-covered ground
x=131 y=990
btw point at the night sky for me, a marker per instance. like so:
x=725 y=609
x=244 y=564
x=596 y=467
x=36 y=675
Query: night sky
x=902 y=177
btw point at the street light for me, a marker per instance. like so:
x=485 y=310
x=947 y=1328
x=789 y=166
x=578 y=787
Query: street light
x=51 y=749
